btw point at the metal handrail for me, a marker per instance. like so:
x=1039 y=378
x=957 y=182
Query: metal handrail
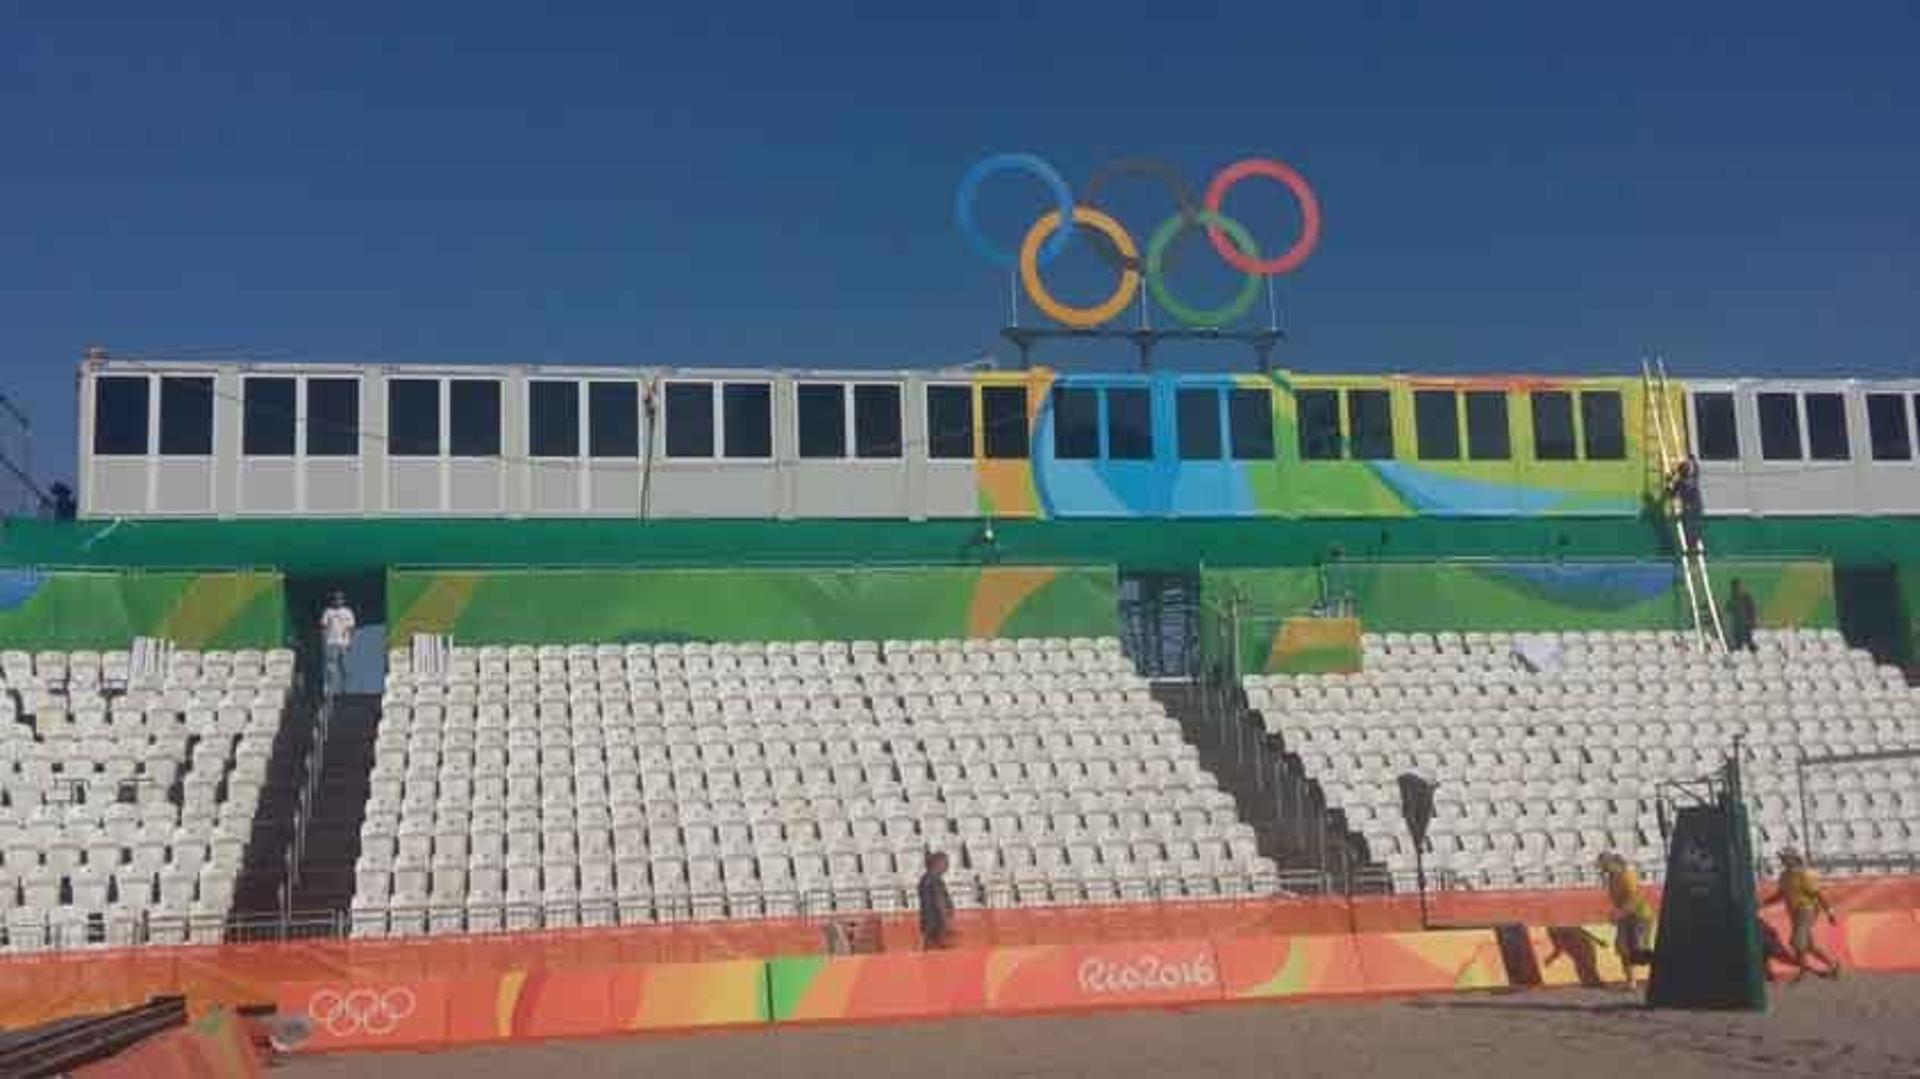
x=67 y=1046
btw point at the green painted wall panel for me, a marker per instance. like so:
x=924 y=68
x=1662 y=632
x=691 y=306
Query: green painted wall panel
x=64 y=610
x=329 y=547
x=1509 y=596
x=560 y=606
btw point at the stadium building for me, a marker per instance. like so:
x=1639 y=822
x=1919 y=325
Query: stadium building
x=651 y=651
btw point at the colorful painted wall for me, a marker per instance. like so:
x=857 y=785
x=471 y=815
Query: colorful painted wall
x=1172 y=482
x=72 y=609
x=1510 y=596
x=561 y=606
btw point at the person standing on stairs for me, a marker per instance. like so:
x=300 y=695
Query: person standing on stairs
x=336 y=637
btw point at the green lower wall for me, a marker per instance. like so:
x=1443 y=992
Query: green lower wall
x=63 y=610
x=562 y=606
x=1509 y=596
x=303 y=547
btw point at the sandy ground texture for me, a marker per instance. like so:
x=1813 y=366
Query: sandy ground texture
x=1862 y=1026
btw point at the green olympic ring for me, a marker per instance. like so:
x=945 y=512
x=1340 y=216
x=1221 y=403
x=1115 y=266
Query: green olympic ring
x=1201 y=318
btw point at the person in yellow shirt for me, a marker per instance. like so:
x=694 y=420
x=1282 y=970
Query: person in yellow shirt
x=1632 y=913
x=1800 y=891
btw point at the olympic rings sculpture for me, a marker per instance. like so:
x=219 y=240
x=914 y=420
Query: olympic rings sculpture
x=1051 y=232
x=361 y=1011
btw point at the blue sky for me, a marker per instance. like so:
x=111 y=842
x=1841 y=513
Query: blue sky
x=1506 y=187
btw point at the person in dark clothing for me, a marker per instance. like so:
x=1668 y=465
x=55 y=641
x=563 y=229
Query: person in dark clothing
x=936 y=906
x=1741 y=619
x=1683 y=487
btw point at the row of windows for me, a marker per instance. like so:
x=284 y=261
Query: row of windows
x=834 y=420
x=863 y=420
x=1806 y=426
x=1450 y=425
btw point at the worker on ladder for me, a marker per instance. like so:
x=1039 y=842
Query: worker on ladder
x=1683 y=488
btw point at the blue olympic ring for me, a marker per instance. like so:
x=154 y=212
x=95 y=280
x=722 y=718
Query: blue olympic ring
x=969 y=189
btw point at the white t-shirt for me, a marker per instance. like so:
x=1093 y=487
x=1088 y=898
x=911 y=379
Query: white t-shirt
x=336 y=626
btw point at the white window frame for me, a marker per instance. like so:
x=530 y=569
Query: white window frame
x=299 y=415
x=974 y=434
x=152 y=441
x=446 y=418
x=846 y=421
x=580 y=428
x=639 y=417
x=1806 y=428
x=305 y=412
x=719 y=405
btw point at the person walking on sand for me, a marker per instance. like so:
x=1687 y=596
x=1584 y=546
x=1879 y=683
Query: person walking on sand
x=1800 y=891
x=1632 y=913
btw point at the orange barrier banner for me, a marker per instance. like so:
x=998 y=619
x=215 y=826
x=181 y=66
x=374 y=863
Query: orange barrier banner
x=1887 y=940
x=369 y=1015
x=1254 y=968
x=39 y=988
x=214 y=1046
x=517 y=1005
x=1429 y=962
x=1577 y=955
x=1102 y=976
x=902 y=986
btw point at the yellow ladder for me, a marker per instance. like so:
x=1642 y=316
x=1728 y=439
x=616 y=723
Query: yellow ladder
x=1670 y=439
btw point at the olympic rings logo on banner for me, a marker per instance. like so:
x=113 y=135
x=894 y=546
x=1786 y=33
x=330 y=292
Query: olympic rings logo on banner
x=361 y=1011
x=1050 y=234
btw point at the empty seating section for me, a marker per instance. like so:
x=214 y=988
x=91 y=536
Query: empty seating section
x=1549 y=749
x=609 y=784
x=128 y=785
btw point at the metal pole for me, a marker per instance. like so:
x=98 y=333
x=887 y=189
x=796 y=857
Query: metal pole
x=1806 y=814
x=1420 y=879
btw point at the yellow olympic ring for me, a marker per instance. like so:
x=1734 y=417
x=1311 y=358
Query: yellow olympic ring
x=1079 y=318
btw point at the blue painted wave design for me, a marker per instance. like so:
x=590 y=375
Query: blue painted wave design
x=17 y=586
x=1592 y=586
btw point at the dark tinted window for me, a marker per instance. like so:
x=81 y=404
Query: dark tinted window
x=950 y=422
x=413 y=417
x=1602 y=426
x=1198 y=419
x=1779 y=427
x=266 y=417
x=186 y=416
x=1887 y=425
x=120 y=414
x=1827 y=427
x=1076 y=424
x=689 y=419
x=553 y=419
x=473 y=414
x=1370 y=424
x=1319 y=425
x=1716 y=436
x=1553 y=426
x=747 y=419
x=822 y=414
x=1487 y=434
x=1129 y=424
x=1436 y=424
x=1004 y=415
x=876 y=421
x=1250 y=424
x=333 y=417
x=613 y=419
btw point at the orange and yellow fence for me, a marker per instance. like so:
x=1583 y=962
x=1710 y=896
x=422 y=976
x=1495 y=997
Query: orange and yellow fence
x=487 y=987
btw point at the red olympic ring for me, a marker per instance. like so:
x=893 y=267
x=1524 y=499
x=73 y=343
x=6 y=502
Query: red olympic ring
x=1288 y=260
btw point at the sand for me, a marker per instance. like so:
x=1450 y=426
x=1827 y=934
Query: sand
x=1863 y=1026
